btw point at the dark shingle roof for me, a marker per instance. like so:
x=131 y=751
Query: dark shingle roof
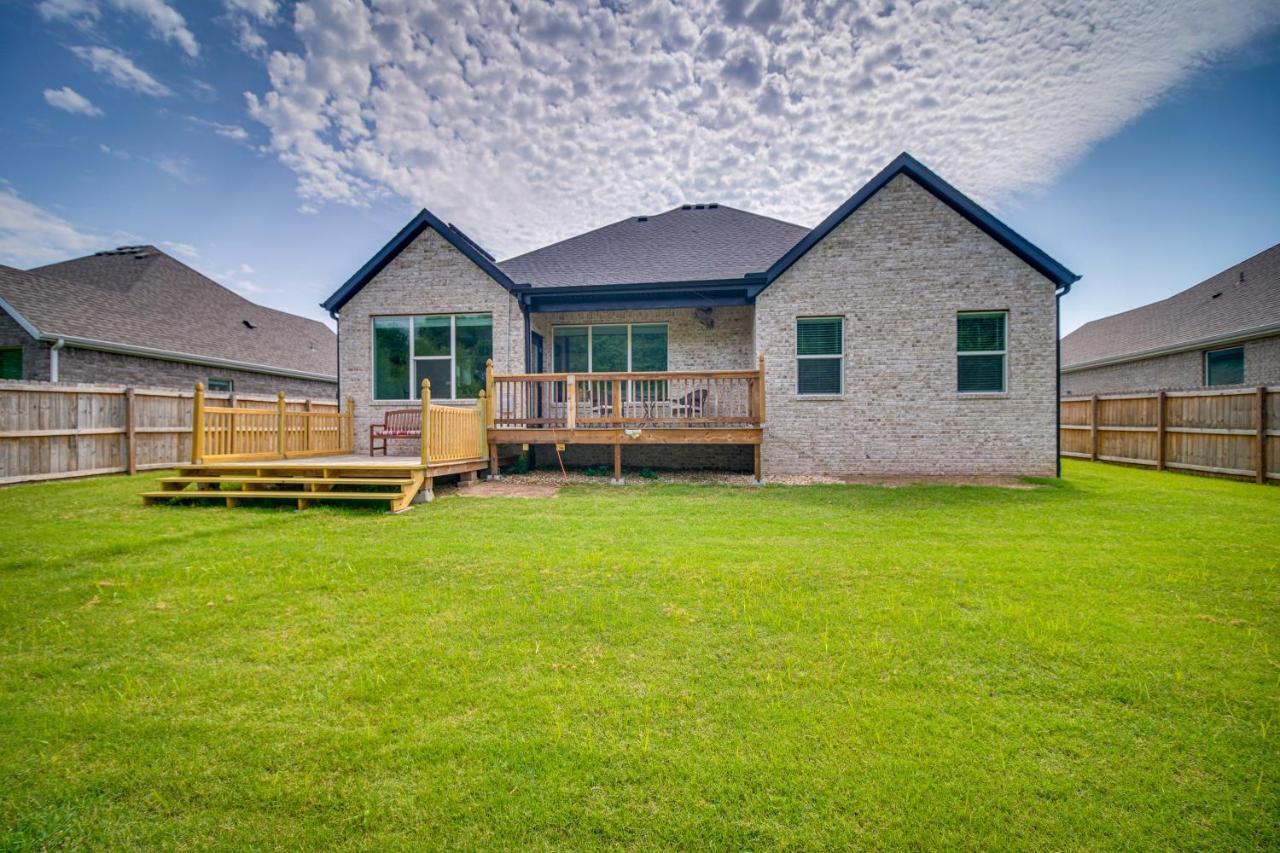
x=141 y=297
x=689 y=243
x=1239 y=299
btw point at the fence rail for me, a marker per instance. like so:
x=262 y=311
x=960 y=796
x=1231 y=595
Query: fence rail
x=235 y=434
x=725 y=398
x=52 y=431
x=1231 y=432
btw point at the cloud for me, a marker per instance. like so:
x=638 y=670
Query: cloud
x=81 y=13
x=30 y=235
x=246 y=16
x=175 y=167
x=120 y=70
x=166 y=22
x=185 y=249
x=528 y=123
x=70 y=100
x=228 y=131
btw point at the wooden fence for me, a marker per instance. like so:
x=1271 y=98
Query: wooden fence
x=52 y=431
x=1231 y=432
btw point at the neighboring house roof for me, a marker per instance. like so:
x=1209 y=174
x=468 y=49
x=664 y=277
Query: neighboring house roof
x=694 y=254
x=689 y=243
x=139 y=300
x=1236 y=304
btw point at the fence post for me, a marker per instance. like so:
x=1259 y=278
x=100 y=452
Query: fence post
x=760 y=389
x=482 y=405
x=426 y=422
x=197 y=425
x=571 y=402
x=306 y=421
x=1093 y=428
x=1160 y=426
x=351 y=425
x=130 y=434
x=280 y=426
x=1260 y=448
x=488 y=388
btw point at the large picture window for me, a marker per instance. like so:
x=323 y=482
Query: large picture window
x=981 y=351
x=820 y=355
x=449 y=349
x=609 y=348
x=1224 y=367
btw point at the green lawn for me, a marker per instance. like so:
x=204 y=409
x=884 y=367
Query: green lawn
x=1093 y=663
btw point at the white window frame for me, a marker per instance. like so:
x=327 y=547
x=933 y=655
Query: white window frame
x=1003 y=353
x=414 y=358
x=839 y=356
x=591 y=343
x=1205 y=361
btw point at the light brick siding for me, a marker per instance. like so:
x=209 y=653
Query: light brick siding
x=429 y=277
x=96 y=367
x=1183 y=371
x=898 y=270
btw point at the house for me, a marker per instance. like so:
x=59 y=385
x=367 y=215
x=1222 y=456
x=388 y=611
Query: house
x=136 y=316
x=910 y=333
x=1223 y=332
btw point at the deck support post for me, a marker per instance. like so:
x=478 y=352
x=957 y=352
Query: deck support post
x=617 y=464
x=467 y=479
x=757 y=464
x=197 y=425
x=425 y=439
x=493 y=462
x=280 y=427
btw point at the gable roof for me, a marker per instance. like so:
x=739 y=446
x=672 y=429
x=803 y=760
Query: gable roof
x=905 y=164
x=710 y=254
x=424 y=220
x=138 y=299
x=1240 y=302
x=688 y=243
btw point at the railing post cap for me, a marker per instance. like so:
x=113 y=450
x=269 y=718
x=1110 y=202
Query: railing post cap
x=426 y=383
x=199 y=386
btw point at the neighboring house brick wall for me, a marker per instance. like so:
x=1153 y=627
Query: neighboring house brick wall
x=429 y=276
x=898 y=270
x=35 y=354
x=94 y=366
x=1182 y=371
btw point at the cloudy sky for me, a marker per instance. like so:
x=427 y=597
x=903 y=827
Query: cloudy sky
x=276 y=146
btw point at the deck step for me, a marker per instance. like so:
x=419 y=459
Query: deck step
x=214 y=494
x=335 y=481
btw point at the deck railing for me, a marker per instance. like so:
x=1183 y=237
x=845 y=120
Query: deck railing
x=669 y=399
x=452 y=433
x=235 y=434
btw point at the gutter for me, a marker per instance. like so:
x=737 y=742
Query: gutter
x=1172 y=349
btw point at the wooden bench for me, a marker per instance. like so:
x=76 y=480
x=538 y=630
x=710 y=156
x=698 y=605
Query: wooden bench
x=396 y=423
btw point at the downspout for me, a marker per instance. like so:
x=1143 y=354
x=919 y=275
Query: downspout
x=1057 y=379
x=53 y=358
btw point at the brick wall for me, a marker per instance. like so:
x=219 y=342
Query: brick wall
x=429 y=276
x=1182 y=371
x=898 y=270
x=727 y=345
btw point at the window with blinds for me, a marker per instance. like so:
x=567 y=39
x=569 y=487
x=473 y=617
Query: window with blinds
x=820 y=355
x=1224 y=367
x=981 y=351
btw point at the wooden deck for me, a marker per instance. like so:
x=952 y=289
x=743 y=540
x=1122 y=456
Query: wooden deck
x=672 y=407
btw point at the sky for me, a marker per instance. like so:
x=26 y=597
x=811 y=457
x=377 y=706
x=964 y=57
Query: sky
x=275 y=147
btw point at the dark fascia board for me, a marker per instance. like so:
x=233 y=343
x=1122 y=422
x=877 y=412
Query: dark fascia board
x=424 y=220
x=906 y=164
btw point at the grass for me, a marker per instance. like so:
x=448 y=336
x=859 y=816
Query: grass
x=1088 y=664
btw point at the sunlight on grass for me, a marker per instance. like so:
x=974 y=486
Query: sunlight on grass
x=1090 y=663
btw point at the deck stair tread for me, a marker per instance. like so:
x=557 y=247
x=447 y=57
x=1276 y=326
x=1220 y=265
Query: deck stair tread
x=285 y=479
x=238 y=494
